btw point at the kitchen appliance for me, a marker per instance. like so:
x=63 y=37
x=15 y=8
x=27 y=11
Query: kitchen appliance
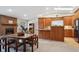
x=76 y=28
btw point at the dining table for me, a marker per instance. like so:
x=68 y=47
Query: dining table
x=17 y=38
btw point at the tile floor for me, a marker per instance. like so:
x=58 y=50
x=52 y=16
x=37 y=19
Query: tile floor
x=69 y=45
x=56 y=46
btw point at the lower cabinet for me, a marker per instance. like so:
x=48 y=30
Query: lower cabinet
x=44 y=34
x=69 y=33
x=57 y=33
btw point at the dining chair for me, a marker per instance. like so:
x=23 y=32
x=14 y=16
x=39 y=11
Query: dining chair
x=7 y=43
x=15 y=45
x=33 y=40
x=2 y=43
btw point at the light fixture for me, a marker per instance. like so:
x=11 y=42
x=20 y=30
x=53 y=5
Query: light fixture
x=63 y=8
x=47 y=8
x=25 y=15
x=9 y=10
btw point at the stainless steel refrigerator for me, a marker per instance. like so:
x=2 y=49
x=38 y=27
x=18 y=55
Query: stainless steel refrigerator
x=76 y=28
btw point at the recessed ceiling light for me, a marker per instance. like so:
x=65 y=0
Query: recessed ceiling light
x=25 y=15
x=47 y=8
x=63 y=8
x=9 y=10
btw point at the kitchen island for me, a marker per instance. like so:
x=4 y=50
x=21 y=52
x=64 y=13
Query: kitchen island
x=44 y=34
x=55 y=33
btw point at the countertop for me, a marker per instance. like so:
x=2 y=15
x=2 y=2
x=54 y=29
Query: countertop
x=45 y=29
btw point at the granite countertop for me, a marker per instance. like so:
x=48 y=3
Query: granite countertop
x=68 y=28
x=44 y=29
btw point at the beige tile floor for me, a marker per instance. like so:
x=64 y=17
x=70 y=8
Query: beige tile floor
x=71 y=42
x=69 y=45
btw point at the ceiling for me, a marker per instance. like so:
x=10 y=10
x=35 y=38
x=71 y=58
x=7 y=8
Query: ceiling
x=32 y=12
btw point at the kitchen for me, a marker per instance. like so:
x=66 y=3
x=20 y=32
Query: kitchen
x=53 y=24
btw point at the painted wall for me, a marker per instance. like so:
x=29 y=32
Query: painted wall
x=35 y=21
x=21 y=22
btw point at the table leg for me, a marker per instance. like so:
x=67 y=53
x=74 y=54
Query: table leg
x=8 y=47
x=17 y=45
x=5 y=44
x=24 y=45
x=0 y=46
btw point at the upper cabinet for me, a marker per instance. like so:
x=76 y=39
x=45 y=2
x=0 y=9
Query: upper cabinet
x=68 y=20
x=41 y=22
x=48 y=21
x=44 y=22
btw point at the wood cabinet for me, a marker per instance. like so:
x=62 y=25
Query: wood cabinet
x=44 y=22
x=57 y=33
x=69 y=33
x=41 y=23
x=68 y=20
x=44 y=34
x=7 y=22
x=48 y=21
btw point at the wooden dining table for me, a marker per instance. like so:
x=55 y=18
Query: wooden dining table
x=17 y=38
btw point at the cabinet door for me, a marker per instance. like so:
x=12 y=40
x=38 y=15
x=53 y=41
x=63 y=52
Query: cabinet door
x=68 y=20
x=41 y=23
x=60 y=34
x=69 y=33
x=48 y=21
x=57 y=33
x=53 y=33
x=47 y=34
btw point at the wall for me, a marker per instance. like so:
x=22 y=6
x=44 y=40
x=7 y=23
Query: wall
x=76 y=14
x=21 y=22
x=35 y=21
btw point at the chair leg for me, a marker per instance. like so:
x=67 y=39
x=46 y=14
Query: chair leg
x=32 y=47
x=5 y=45
x=16 y=49
x=8 y=49
x=0 y=46
x=16 y=46
x=37 y=43
x=24 y=45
